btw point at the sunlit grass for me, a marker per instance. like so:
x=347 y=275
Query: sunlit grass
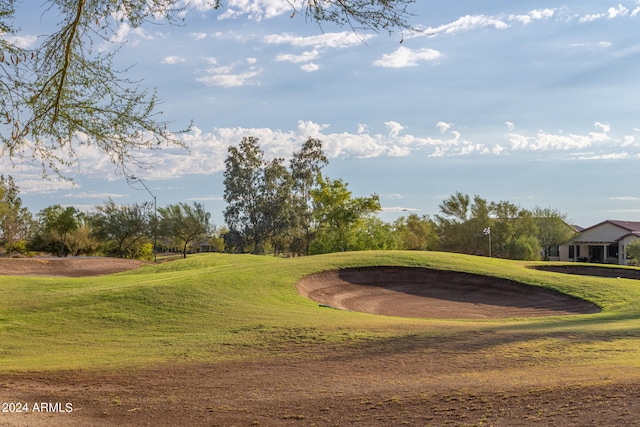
x=216 y=307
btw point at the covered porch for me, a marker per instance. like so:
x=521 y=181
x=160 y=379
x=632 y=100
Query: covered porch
x=597 y=252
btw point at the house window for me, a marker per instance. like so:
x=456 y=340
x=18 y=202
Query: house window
x=571 y=252
x=612 y=250
x=554 y=251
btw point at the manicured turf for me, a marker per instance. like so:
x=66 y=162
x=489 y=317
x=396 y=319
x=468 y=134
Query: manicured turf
x=218 y=307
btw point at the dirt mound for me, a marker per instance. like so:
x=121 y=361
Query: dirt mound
x=65 y=267
x=420 y=292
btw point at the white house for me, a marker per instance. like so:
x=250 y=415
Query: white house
x=603 y=242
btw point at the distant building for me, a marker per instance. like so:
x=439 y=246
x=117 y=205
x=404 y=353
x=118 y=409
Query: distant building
x=601 y=243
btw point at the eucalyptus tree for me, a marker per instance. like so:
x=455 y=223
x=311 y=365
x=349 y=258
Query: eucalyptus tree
x=243 y=175
x=184 y=224
x=305 y=167
x=67 y=92
x=258 y=195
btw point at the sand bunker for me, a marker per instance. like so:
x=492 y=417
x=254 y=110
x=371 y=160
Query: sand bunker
x=65 y=267
x=420 y=292
x=588 y=270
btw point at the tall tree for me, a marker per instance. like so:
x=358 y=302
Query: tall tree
x=464 y=225
x=67 y=92
x=552 y=229
x=184 y=224
x=15 y=219
x=305 y=167
x=513 y=232
x=337 y=214
x=416 y=233
x=124 y=227
x=58 y=222
x=243 y=183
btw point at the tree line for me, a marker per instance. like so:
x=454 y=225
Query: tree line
x=125 y=231
x=285 y=208
x=294 y=209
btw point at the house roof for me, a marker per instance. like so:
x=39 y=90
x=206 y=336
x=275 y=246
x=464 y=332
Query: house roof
x=630 y=226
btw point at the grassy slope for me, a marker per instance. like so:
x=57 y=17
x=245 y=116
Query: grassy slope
x=219 y=307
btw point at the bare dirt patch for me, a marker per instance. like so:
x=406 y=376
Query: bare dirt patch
x=66 y=267
x=420 y=292
x=413 y=382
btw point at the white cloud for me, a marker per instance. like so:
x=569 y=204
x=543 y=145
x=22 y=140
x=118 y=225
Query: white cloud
x=205 y=199
x=602 y=44
x=199 y=36
x=85 y=195
x=173 y=59
x=607 y=156
x=405 y=57
x=22 y=42
x=510 y=125
x=44 y=186
x=468 y=23
x=629 y=140
x=394 y=128
x=605 y=127
x=534 y=15
x=497 y=149
x=200 y=5
x=542 y=13
x=126 y=33
x=225 y=76
x=544 y=141
x=256 y=9
x=614 y=12
x=231 y=80
x=338 y=40
x=310 y=67
x=318 y=43
x=443 y=127
x=303 y=57
x=625 y=198
x=591 y=18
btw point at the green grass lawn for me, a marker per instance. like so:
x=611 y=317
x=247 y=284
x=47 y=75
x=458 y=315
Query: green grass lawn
x=215 y=307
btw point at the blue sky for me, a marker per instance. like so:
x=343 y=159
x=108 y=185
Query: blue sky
x=531 y=102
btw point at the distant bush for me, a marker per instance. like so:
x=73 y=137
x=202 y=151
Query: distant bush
x=145 y=253
x=632 y=252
